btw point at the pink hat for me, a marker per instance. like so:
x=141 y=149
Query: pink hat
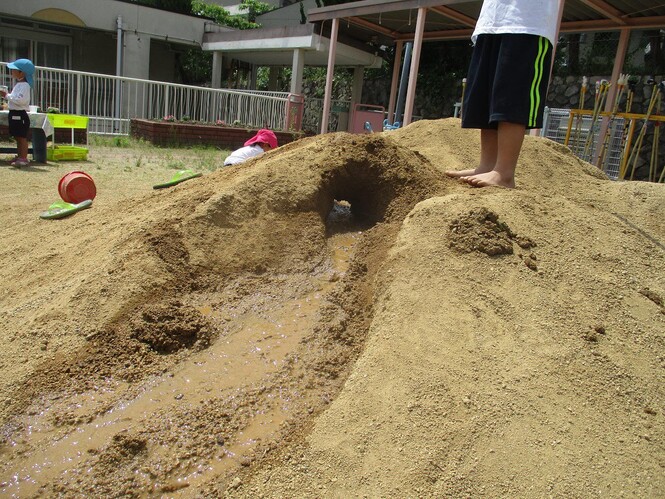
x=265 y=136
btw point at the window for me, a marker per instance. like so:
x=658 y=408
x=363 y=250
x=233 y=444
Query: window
x=45 y=45
x=12 y=49
x=52 y=55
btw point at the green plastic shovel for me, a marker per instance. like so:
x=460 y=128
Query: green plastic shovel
x=61 y=209
x=180 y=176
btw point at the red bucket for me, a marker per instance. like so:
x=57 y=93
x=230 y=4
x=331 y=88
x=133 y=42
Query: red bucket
x=76 y=187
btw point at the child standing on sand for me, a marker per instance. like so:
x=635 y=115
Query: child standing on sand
x=19 y=105
x=507 y=83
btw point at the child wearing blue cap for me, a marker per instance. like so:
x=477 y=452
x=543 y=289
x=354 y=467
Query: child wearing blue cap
x=19 y=105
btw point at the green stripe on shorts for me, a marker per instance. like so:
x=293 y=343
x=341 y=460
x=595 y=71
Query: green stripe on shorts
x=537 y=79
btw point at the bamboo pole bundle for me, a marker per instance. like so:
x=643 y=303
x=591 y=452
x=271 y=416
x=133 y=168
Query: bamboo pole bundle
x=635 y=153
x=653 y=165
x=621 y=86
x=601 y=94
x=627 y=137
x=578 y=122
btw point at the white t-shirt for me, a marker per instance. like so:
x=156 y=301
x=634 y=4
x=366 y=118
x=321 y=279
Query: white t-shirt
x=19 y=98
x=529 y=17
x=243 y=154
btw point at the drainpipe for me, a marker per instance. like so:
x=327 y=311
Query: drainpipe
x=118 y=72
x=403 y=83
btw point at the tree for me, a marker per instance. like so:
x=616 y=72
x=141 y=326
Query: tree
x=255 y=8
x=222 y=16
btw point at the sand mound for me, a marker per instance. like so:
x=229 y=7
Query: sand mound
x=338 y=318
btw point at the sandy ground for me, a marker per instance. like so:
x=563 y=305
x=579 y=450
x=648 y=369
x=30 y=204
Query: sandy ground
x=333 y=319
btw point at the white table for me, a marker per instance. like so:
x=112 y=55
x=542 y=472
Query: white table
x=41 y=128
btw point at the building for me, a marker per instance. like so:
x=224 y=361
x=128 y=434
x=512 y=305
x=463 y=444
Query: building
x=286 y=39
x=84 y=35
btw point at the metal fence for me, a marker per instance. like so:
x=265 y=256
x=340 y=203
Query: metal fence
x=337 y=121
x=111 y=101
x=555 y=127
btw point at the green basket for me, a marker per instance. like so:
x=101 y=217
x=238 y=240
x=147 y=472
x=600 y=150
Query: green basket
x=66 y=153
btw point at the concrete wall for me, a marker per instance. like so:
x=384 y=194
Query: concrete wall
x=102 y=15
x=564 y=93
x=287 y=16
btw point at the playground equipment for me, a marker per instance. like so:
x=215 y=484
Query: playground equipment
x=387 y=126
x=362 y=114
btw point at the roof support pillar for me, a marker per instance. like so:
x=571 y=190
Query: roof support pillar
x=393 y=85
x=297 y=71
x=273 y=78
x=356 y=98
x=619 y=59
x=253 y=74
x=357 y=88
x=216 y=69
x=329 y=76
x=415 y=63
x=562 y=4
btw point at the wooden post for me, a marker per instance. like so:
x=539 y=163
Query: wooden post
x=327 y=98
x=393 y=85
x=619 y=59
x=415 y=63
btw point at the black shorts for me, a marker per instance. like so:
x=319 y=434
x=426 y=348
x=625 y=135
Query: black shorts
x=507 y=81
x=19 y=124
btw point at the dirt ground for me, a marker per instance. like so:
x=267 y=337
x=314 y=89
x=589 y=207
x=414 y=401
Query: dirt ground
x=335 y=318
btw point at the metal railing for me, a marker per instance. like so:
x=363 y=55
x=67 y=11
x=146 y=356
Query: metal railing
x=111 y=102
x=313 y=114
x=555 y=126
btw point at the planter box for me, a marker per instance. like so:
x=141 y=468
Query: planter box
x=164 y=133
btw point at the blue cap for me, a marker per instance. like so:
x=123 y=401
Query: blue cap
x=24 y=65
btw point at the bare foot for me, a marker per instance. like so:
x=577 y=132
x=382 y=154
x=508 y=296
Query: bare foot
x=460 y=173
x=466 y=173
x=489 y=179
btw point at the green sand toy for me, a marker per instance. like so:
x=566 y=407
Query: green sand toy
x=180 y=176
x=61 y=209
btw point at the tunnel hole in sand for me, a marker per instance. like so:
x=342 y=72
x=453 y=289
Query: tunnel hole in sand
x=341 y=219
x=358 y=195
x=283 y=357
